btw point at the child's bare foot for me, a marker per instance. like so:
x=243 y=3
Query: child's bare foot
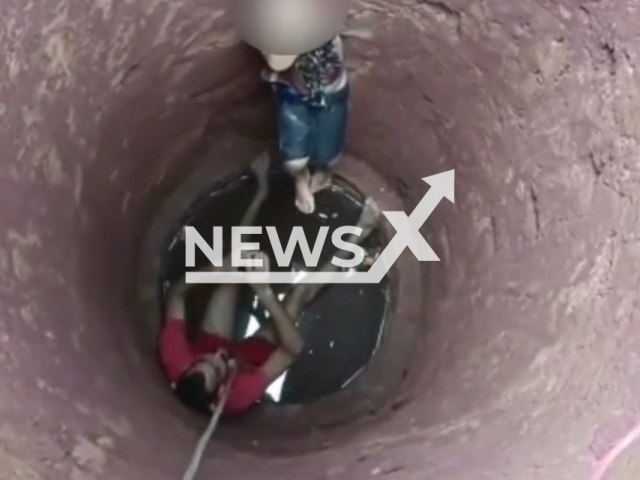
x=304 y=196
x=320 y=181
x=370 y=215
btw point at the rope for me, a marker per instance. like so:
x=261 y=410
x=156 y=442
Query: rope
x=192 y=469
x=601 y=470
x=625 y=442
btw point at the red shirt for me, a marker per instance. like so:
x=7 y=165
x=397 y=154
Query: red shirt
x=178 y=355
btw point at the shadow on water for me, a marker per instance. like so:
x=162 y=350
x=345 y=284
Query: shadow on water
x=341 y=326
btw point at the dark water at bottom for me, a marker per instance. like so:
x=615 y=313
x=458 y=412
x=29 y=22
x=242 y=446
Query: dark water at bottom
x=341 y=326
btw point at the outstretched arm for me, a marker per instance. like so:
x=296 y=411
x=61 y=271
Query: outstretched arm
x=260 y=168
x=289 y=341
x=288 y=337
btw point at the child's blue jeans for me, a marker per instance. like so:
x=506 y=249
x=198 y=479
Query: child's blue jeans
x=309 y=130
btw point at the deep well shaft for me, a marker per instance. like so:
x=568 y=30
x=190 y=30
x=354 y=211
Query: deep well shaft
x=524 y=338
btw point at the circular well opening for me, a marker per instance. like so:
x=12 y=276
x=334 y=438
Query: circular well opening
x=272 y=428
x=342 y=326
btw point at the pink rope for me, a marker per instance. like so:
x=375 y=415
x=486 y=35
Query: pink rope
x=603 y=465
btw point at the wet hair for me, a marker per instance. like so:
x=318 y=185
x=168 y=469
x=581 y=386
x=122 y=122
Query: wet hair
x=191 y=390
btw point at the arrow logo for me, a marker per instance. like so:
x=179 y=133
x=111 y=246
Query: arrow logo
x=407 y=236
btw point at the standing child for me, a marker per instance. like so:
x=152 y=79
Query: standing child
x=312 y=94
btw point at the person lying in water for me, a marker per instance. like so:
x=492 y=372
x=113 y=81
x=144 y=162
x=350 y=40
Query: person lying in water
x=197 y=370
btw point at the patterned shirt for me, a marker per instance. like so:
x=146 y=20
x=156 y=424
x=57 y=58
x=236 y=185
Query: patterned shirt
x=320 y=69
x=316 y=73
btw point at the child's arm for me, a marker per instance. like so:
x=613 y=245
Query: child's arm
x=275 y=72
x=288 y=337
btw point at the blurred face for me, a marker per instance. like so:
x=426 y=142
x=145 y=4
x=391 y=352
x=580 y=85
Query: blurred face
x=214 y=368
x=288 y=27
